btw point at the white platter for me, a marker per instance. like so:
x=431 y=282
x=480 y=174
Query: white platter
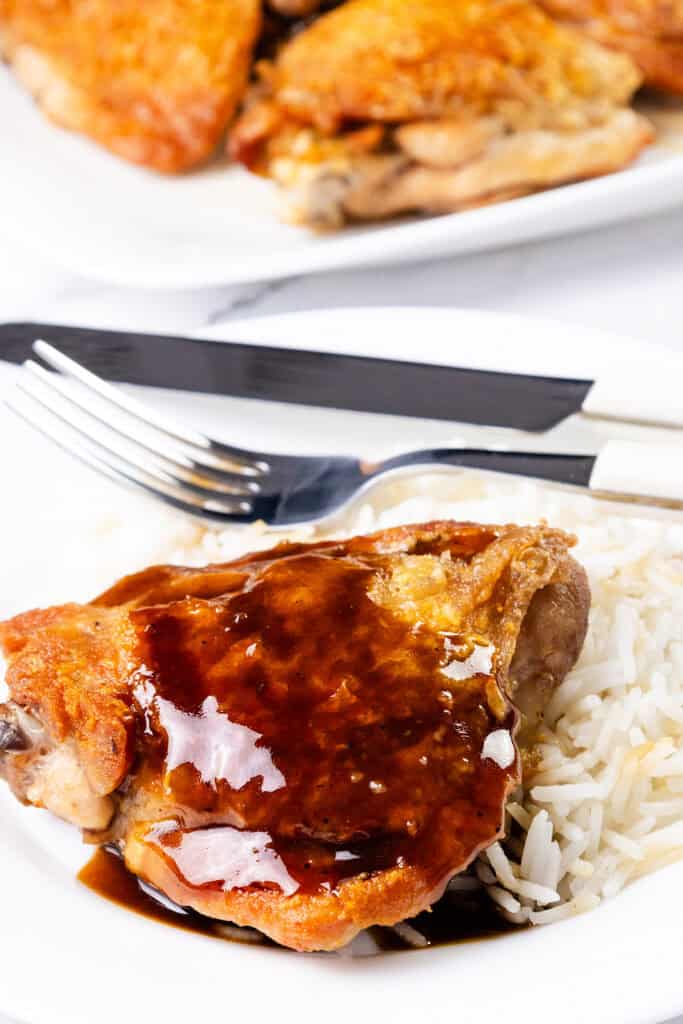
x=68 y=957
x=97 y=216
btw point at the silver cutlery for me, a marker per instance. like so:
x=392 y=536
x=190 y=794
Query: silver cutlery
x=126 y=440
x=631 y=391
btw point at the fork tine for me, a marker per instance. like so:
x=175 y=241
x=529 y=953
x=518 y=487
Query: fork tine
x=178 y=464
x=220 y=454
x=102 y=444
x=116 y=469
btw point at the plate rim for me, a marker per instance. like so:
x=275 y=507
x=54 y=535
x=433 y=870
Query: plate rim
x=647 y=187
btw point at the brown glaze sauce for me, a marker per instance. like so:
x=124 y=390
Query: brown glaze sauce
x=300 y=718
x=456 y=918
x=106 y=874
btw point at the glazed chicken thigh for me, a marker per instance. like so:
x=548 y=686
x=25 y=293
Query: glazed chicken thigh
x=382 y=107
x=309 y=740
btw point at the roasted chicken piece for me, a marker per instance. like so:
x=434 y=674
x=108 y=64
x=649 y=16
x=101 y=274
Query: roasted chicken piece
x=156 y=82
x=382 y=107
x=295 y=8
x=650 y=31
x=309 y=740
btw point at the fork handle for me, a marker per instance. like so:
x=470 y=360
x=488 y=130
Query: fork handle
x=555 y=466
x=621 y=468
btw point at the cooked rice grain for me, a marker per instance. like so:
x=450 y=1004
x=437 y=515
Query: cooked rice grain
x=605 y=803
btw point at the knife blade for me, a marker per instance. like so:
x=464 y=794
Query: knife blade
x=362 y=384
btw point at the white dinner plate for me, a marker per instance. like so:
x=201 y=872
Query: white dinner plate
x=100 y=217
x=69 y=957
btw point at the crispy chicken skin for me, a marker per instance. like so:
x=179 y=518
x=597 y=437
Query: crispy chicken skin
x=296 y=740
x=649 y=31
x=382 y=107
x=295 y=8
x=156 y=82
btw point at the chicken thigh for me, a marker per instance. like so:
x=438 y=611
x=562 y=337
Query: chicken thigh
x=382 y=107
x=649 y=31
x=155 y=82
x=310 y=740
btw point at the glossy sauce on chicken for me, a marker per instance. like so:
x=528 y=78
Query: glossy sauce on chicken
x=310 y=740
x=325 y=737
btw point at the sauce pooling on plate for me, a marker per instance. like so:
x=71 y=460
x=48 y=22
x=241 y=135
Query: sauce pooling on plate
x=457 y=917
x=106 y=874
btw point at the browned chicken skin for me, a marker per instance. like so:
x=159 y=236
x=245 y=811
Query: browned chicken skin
x=295 y=8
x=382 y=107
x=156 y=82
x=649 y=31
x=309 y=740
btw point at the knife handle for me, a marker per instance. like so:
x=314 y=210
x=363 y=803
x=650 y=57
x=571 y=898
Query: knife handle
x=652 y=473
x=639 y=470
x=634 y=392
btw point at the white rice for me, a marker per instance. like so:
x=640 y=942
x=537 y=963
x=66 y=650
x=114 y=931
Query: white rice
x=604 y=805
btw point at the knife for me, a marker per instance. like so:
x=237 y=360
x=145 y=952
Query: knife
x=363 y=384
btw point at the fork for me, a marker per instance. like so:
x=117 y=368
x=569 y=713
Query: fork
x=124 y=439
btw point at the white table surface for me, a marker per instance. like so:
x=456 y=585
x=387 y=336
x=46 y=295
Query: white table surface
x=626 y=279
